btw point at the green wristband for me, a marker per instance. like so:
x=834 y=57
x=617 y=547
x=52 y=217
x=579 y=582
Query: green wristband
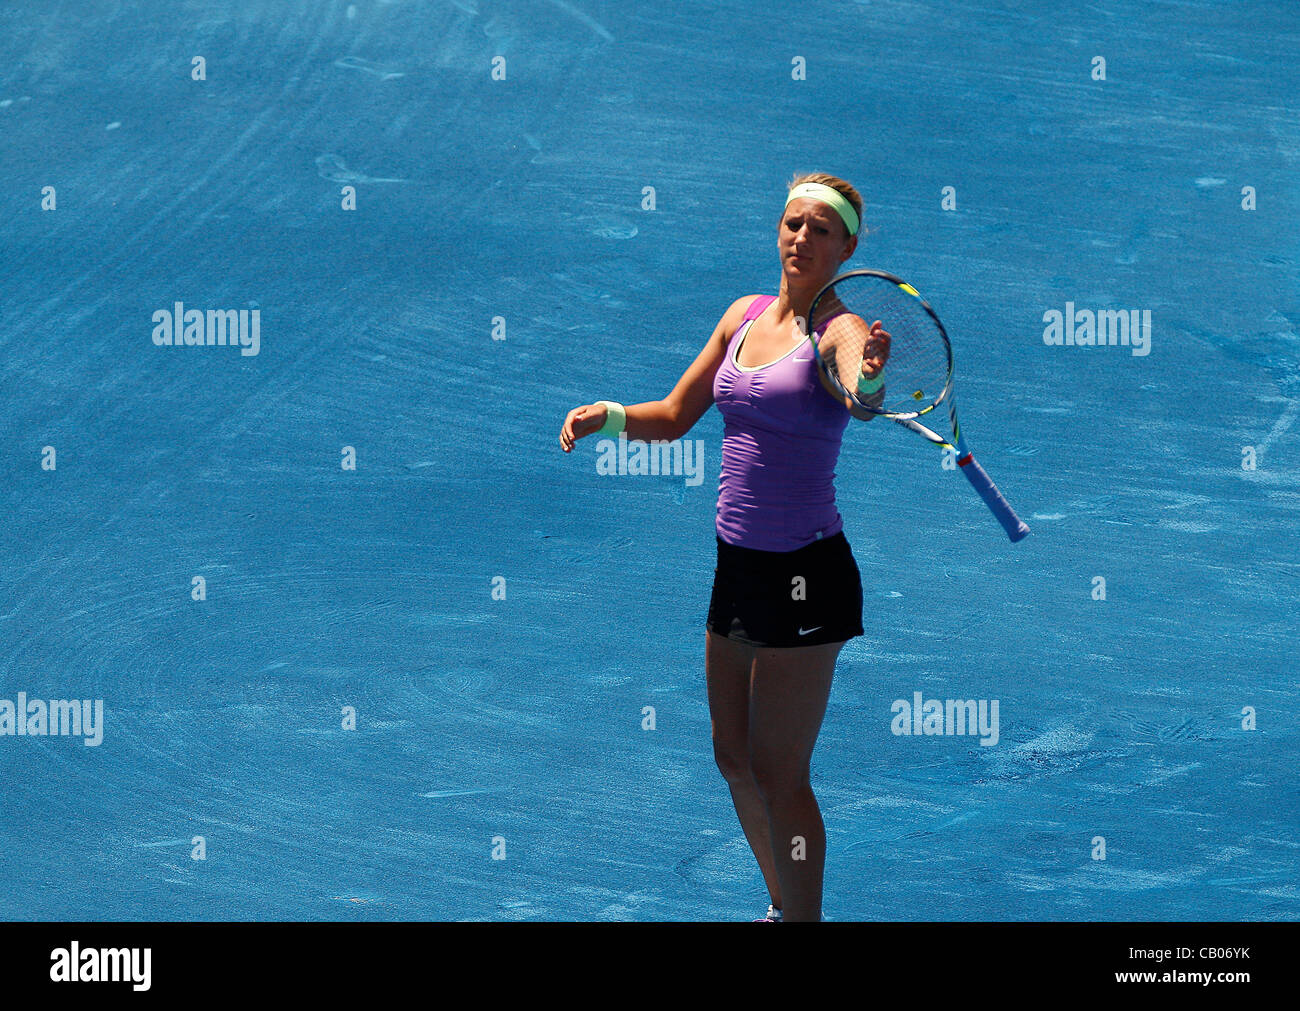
x=615 y=418
x=869 y=386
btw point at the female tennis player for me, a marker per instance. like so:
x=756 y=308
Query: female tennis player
x=787 y=593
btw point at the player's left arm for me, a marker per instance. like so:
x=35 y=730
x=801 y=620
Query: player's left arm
x=850 y=331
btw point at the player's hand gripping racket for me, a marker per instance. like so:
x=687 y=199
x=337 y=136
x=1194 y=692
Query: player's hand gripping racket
x=902 y=374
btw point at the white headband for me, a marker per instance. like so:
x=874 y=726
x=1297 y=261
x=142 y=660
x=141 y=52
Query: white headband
x=827 y=195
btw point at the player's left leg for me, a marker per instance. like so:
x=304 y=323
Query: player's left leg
x=788 y=697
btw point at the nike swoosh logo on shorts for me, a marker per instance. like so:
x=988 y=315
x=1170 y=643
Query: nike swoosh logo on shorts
x=810 y=631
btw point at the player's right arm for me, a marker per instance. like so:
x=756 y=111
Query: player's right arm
x=675 y=415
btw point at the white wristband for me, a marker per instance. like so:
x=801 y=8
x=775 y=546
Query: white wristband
x=615 y=418
x=869 y=386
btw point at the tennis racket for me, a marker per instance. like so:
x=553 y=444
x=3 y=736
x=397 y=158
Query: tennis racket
x=903 y=384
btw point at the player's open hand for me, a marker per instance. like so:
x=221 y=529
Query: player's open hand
x=875 y=352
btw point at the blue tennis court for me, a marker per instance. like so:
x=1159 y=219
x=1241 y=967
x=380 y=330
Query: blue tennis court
x=366 y=645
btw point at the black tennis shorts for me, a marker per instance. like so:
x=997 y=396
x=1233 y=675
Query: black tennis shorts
x=805 y=597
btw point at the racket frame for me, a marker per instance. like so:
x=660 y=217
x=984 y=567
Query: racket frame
x=833 y=375
x=983 y=484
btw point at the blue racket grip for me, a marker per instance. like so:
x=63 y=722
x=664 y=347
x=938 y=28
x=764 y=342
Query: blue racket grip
x=1011 y=523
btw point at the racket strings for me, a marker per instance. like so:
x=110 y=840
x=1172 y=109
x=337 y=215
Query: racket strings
x=919 y=363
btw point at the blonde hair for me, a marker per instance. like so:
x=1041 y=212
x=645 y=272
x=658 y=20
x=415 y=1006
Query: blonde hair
x=836 y=183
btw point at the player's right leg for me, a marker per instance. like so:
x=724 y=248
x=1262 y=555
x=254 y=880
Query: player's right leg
x=728 y=667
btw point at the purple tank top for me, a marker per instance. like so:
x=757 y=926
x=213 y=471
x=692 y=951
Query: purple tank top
x=781 y=441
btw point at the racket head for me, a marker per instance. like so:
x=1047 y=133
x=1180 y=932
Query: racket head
x=918 y=370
